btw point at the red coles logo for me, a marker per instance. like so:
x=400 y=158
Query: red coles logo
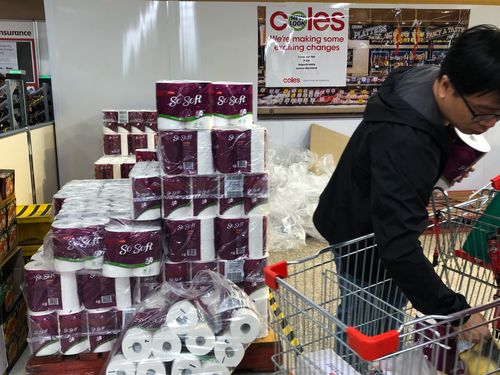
x=319 y=21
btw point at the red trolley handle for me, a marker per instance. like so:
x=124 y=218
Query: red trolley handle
x=274 y=271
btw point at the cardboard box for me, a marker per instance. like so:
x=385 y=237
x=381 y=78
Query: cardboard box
x=3 y=219
x=12 y=237
x=11 y=213
x=6 y=183
x=4 y=245
x=324 y=141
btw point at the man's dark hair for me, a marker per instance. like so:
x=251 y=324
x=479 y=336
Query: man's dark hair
x=473 y=61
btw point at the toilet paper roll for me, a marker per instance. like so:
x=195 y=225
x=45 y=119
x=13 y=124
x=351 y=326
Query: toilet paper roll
x=94 y=263
x=190 y=239
x=200 y=339
x=43 y=333
x=205 y=191
x=261 y=299
x=197 y=266
x=151 y=367
x=231 y=207
x=204 y=152
x=123 y=292
x=69 y=292
x=136 y=141
x=212 y=367
x=151 y=142
x=256 y=193
x=110 y=127
x=37 y=257
x=167 y=345
x=112 y=144
x=73 y=332
x=142 y=286
x=43 y=287
x=231 y=201
x=233 y=102
x=181 y=317
x=232 y=238
x=117 y=170
x=120 y=365
x=231 y=150
x=102 y=329
x=146 y=154
x=257 y=236
x=137 y=344
x=96 y=291
x=254 y=268
x=176 y=271
x=228 y=351
x=148 y=270
x=244 y=325
x=123 y=141
x=186 y=364
x=258 y=160
x=176 y=197
x=110 y=270
x=165 y=124
x=221 y=122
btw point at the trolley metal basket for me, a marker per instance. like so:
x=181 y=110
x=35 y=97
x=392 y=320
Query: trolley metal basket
x=379 y=333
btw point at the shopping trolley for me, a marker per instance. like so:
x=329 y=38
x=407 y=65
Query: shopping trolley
x=380 y=334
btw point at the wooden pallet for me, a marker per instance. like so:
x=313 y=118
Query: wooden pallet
x=257 y=358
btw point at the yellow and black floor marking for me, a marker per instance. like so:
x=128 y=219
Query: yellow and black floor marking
x=33 y=210
x=283 y=322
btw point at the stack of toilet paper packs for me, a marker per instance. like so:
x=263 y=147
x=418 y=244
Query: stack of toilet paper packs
x=199 y=327
x=129 y=136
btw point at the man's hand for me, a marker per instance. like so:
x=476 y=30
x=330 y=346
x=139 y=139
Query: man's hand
x=475 y=329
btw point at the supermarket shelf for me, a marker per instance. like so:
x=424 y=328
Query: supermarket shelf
x=352 y=110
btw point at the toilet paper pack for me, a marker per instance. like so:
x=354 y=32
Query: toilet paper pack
x=146 y=191
x=232 y=104
x=192 y=327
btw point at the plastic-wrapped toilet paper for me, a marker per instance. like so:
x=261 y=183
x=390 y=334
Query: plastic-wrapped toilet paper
x=261 y=299
x=142 y=286
x=197 y=266
x=151 y=367
x=181 y=317
x=176 y=271
x=190 y=239
x=244 y=326
x=233 y=269
x=136 y=121
x=186 y=364
x=200 y=339
x=112 y=144
x=136 y=141
x=166 y=345
x=96 y=291
x=69 y=239
x=184 y=104
x=231 y=150
x=232 y=104
x=228 y=351
x=146 y=191
x=205 y=195
x=137 y=344
x=146 y=154
x=43 y=287
x=123 y=292
x=102 y=329
x=212 y=367
x=43 y=333
x=256 y=193
x=124 y=141
x=69 y=292
x=257 y=235
x=176 y=197
x=258 y=158
x=120 y=365
x=231 y=238
x=73 y=332
x=231 y=200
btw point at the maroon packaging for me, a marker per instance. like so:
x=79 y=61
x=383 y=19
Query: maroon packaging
x=184 y=101
x=231 y=193
x=178 y=152
x=142 y=286
x=137 y=141
x=231 y=238
x=43 y=331
x=205 y=195
x=12 y=237
x=150 y=119
x=103 y=171
x=11 y=213
x=145 y=188
x=233 y=270
x=73 y=329
x=110 y=115
x=254 y=268
x=176 y=196
x=231 y=150
x=151 y=318
x=125 y=169
x=136 y=121
x=232 y=100
x=3 y=219
x=197 y=266
x=6 y=183
x=256 y=191
x=112 y=144
x=77 y=240
x=110 y=127
x=183 y=239
x=131 y=243
x=176 y=271
x=144 y=154
x=96 y=291
x=42 y=288
x=102 y=327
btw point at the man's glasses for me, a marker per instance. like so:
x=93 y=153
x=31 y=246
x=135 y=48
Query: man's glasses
x=478 y=116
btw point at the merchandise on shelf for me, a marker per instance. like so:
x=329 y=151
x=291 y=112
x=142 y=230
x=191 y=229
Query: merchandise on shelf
x=113 y=167
x=146 y=191
x=7 y=180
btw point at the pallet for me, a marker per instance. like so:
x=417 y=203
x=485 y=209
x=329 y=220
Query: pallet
x=257 y=358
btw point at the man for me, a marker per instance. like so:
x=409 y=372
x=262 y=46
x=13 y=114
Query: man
x=385 y=177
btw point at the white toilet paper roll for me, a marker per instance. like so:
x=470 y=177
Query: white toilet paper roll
x=236 y=209
x=66 y=266
x=69 y=292
x=228 y=351
x=256 y=236
x=181 y=317
x=220 y=122
x=123 y=292
x=94 y=263
x=166 y=345
x=151 y=367
x=169 y=124
x=212 y=367
x=73 y=332
x=43 y=333
x=123 y=141
x=137 y=344
x=204 y=152
x=117 y=169
x=186 y=364
x=245 y=121
x=152 y=269
x=151 y=140
x=261 y=299
x=113 y=271
x=258 y=150
x=200 y=339
x=119 y=365
x=207 y=243
x=151 y=214
x=205 y=122
x=244 y=325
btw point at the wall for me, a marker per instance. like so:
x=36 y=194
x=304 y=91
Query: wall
x=98 y=61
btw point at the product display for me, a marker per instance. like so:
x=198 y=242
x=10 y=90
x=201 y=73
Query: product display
x=113 y=167
x=146 y=191
x=8 y=226
x=199 y=327
x=6 y=183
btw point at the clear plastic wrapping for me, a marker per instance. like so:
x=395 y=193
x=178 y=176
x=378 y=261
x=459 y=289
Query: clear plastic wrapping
x=298 y=177
x=113 y=167
x=146 y=191
x=200 y=327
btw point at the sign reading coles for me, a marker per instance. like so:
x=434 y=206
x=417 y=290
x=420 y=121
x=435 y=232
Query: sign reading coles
x=306 y=45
